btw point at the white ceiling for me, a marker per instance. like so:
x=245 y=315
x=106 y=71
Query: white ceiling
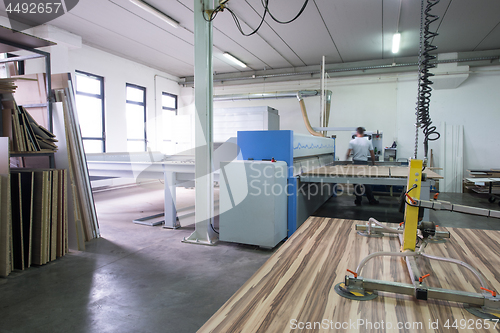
x=342 y=30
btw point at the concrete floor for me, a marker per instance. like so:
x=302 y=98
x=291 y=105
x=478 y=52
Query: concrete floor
x=143 y=279
x=134 y=279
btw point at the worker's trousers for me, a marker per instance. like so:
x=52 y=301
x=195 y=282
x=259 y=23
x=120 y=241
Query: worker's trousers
x=360 y=189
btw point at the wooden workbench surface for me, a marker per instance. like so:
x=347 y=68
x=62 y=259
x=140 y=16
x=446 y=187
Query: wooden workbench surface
x=297 y=283
x=366 y=171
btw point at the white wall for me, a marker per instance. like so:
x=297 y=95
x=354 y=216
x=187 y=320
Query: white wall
x=70 y=55
x=475 y=104
x=117 y=72
x=387 y=103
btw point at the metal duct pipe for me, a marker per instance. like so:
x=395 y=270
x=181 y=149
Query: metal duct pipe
x=362 y=69
x=269 y=95
x=328 y=105
x=305 y=117
x=285 y=94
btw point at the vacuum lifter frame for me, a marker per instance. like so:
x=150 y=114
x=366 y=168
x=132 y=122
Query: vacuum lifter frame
x=485 y=305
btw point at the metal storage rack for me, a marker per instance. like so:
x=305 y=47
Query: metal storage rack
x=12 y=41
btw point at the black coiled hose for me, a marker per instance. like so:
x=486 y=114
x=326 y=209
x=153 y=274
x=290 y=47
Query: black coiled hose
x=424 y=92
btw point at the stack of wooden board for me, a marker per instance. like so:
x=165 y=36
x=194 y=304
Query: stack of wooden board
x=85 y=217
x=479 y=181
x=31 y=93
x=25 y=133
x=7 y=86
x=39 y=216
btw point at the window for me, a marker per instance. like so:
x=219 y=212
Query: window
x=169 y=108
x=169 y=102
x=90 y=108
x=136 y=118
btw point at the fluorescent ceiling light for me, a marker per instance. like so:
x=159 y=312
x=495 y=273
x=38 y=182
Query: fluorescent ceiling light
x=235 y=60
x=150 y=9
x=395 y=42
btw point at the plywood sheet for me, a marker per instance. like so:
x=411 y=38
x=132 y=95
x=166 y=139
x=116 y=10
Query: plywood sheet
x=350 y=171
x=5 y=210
x=54 y=216
x=25 y=203
x=365 y=171
x=297 y=282
x=17 y=222
x=37 y=224
x=27 y=183
x=7 y=125
x=402 y=172
x=46 y=214
x=60 y=215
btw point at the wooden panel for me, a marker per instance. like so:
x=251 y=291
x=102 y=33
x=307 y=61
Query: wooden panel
x=17 y=222
x=54 y=218
x=25 y=203
x=36 y=255
x=27 y=186
x=7 y=125
x=60 y=215
x=402 y=172
x=452 y=157
x=365 y=171
x=46 y=214
x=297 y=282
x=5 y=210
x=350 y=171
x=62 y=161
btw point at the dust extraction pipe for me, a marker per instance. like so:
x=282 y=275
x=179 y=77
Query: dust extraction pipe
x=285 y=94
x=305 y=117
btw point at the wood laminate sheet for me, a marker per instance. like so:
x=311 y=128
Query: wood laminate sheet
x=5 y=210
x=296 y=285
x=402 y=172
x=366 y=171
x=350 y=171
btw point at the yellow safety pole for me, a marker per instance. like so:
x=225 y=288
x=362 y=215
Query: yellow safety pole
x=411 y=213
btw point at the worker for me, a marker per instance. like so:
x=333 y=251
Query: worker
x=360 y=149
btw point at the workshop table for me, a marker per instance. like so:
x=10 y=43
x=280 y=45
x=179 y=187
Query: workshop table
x=296 y=285
x=372 y=175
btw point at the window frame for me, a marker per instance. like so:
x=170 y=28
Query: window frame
x=176 y=101
x=143 y=104
x=165 y=108
x=99 y=96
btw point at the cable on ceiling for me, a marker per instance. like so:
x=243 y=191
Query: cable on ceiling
x=284 y=22
x=237 y=21
x=265 y=3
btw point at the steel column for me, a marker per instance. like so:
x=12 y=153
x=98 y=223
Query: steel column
x=203 y=78
x=169 y=202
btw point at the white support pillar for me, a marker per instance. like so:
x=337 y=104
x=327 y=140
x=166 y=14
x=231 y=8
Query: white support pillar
x=203 y=88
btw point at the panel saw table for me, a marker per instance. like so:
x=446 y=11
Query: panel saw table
x=373 y=175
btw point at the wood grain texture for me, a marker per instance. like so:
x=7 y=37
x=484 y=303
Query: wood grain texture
x=298 y=281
